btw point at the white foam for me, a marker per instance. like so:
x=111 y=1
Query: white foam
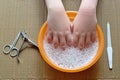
x=71 y=57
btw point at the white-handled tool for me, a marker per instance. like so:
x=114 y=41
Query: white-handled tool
x=109 y=46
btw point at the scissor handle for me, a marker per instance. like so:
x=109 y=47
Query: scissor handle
x=14 y=52
x=5 y=50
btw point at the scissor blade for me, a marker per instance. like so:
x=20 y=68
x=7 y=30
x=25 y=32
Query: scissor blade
x=16 y=39
x=32 y=43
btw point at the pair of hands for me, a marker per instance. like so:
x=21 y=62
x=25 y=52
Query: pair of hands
x=60 y=29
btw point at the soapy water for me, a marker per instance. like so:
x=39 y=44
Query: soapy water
x=71 y=57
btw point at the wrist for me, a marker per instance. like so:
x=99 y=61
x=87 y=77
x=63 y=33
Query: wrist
x=54 y=6
x=89 y=5
x=87 y=11
x=55 y=10
x=51 y=4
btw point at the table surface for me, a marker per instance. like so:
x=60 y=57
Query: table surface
x=29 y=15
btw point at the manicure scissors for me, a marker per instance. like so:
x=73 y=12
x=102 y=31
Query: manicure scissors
x=10 y=48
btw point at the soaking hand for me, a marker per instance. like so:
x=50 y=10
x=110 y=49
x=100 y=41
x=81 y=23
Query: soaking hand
x=58 y=27
x=84 y=28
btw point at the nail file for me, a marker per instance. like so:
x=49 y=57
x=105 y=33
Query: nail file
x=109 y=46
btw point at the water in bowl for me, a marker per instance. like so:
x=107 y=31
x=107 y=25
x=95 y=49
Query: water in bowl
x=71 y=57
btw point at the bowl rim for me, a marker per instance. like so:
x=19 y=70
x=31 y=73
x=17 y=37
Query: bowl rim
x=43 y=30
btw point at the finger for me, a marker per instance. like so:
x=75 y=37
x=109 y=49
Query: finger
x=62 y=41
x=93 y=36
x=68 y=38
x=88 y=40
x=49 y=37
x=75 y=39
x=55 y=40
x=81 y=41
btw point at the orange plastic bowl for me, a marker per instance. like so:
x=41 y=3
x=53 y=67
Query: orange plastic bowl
x=42 y=33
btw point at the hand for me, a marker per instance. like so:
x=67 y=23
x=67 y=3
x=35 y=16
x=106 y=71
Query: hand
x=84 y=28
x=58 y=28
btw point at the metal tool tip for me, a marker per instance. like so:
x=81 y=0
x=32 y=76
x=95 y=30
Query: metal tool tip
x=110 y=68
x=18 y=60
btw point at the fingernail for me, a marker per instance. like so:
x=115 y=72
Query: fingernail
x=69 y=43
x=81 y=48
x=93 y=40
x=48 y=40
x=55 y=46
x=75 y=44
x=63 y=47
